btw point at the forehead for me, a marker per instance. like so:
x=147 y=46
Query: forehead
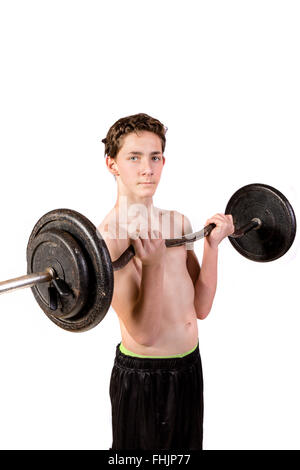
x=141 y=141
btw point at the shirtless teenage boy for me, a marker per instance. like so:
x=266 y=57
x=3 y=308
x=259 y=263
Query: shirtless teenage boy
x=156 y=386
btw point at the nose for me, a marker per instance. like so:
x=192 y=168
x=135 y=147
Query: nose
x=147 y=168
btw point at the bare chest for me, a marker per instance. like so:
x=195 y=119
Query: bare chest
x=175 y=263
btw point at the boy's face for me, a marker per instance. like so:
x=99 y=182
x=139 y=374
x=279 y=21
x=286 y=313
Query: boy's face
x=138 y=164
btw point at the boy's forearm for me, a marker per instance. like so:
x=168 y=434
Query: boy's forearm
x=148 y=308
x=206 y=284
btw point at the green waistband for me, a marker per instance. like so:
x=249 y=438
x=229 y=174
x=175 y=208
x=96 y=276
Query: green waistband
x=129 y=353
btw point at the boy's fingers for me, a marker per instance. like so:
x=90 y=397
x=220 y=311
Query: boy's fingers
x=137 y=245
x=134 y=234
x=157 y=234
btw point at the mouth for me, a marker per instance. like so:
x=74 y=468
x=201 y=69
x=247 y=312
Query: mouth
x=146 y=183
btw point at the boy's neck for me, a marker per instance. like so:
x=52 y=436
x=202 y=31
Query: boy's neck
x=130 y=200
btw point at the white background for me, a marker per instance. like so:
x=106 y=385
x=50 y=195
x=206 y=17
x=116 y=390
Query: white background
x=223 y=76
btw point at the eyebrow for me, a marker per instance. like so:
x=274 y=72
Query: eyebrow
x=141 y=153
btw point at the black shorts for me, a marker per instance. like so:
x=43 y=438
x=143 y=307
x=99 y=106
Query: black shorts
x=157 y=403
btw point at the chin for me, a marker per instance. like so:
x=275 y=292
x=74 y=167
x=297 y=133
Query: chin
x=150 y=190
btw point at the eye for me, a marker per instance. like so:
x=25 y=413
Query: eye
x=158 y=158
x=132 y=157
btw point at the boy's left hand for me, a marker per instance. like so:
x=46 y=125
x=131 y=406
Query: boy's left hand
x=224 y=227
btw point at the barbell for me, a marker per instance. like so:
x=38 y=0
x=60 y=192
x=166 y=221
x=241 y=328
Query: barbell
x=70 y=271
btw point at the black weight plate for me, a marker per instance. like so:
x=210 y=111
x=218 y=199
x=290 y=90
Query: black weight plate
x=96 y=254
x=277 y=232
x=57 y=249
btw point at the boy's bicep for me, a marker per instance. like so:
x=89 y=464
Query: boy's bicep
x=193 y=265
x=126 y=293
x=126 y=287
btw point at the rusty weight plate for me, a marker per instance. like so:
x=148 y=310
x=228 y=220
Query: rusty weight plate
x=277 y=232
x=60 y=251
x=92 y=267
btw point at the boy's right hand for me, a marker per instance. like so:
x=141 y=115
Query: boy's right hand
x=151 y=251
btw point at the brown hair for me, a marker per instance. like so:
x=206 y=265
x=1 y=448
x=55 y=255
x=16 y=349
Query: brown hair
x=137 y=122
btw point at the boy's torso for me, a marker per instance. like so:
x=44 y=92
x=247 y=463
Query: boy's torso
x=179 y=329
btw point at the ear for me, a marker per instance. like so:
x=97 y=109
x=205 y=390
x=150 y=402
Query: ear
x=112 y=165
x=163 y=160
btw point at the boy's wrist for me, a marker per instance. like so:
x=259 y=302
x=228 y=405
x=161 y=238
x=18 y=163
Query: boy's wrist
x=210 y=245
